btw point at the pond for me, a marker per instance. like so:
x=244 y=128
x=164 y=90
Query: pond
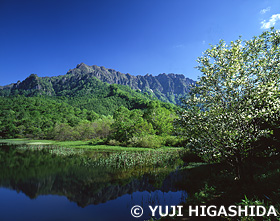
x=40 y=185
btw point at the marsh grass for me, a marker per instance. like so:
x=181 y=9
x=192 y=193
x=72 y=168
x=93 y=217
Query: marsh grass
x=118 y=159
x=55 y=150
x=132 y=159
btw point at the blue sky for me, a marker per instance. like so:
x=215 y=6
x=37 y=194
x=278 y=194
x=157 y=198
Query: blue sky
x=49 y=37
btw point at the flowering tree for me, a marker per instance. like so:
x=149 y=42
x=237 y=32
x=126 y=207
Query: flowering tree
x=236 y=96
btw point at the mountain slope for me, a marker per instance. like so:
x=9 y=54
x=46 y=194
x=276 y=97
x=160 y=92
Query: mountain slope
x=166 y=87
x=67 y=105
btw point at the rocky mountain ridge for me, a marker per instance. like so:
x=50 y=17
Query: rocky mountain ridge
x=166 y=87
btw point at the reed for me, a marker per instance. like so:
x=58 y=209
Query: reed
x=123 y=159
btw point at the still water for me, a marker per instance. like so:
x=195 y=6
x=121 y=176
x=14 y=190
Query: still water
x=40 y=186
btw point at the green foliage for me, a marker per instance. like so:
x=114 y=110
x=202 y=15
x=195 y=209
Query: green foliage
x=103 y=98
x=83 y=92
x=127 y=159
x=97 y=130
x=114 y=142
x=123 y=159
x=129 y=123
x=143 y=128
x=36 y=116
x=238 y=94
x=147 y=141
x=174 y=141
x=160 y=117
x=203 y=195
x=74 y=106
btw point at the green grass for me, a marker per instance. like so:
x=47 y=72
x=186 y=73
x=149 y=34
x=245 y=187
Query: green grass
x=116 y=157
x=82 y=145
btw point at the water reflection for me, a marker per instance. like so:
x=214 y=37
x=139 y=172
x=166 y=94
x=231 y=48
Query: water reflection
x=40 y=186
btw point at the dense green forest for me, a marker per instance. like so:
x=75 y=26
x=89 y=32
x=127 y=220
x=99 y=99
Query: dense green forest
x=97 y=111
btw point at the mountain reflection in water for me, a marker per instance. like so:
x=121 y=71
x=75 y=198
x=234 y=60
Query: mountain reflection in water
x=38 y=186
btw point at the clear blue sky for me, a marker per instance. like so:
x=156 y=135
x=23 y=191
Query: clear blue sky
x=49 y=37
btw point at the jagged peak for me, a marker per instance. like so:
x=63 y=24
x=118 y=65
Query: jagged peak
x=103 y=68
x=81 y=65
x=163 y=74
x=32 y=76
x=148 y=75
x=95 y=67
x=164 y=83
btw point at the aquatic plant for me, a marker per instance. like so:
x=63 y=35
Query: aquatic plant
x=123 y=159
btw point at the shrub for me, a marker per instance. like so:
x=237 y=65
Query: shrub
x=174 y=141
x=113 y=142
x=147 y=141
x=96 y=141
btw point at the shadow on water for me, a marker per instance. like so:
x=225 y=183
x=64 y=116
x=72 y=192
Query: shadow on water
x=64 y=188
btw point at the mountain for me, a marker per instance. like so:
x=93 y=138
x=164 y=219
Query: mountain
x=65 y=106
x=166 y=87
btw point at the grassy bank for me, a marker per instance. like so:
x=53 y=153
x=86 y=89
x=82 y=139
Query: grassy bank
x=102 y=155
x=82 y=145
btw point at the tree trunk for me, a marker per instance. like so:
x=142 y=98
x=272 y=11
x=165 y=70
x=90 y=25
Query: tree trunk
x=239 y=169
x=244 y=176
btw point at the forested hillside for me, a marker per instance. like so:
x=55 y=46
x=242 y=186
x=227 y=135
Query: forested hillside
x=96 y=103
x=79 y=106
x=135 y=121
x=37 y=116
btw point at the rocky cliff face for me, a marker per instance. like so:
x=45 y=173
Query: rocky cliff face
x=164 y=83
x=166 y=87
